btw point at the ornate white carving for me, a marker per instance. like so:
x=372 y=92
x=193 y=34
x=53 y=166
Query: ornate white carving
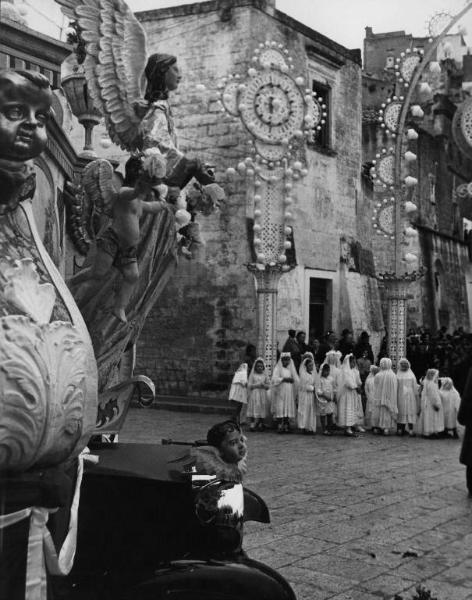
x=44 y=412
x=25 y=292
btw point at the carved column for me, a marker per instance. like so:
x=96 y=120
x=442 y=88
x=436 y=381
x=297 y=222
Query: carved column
x=397 y=293
x=267 y=282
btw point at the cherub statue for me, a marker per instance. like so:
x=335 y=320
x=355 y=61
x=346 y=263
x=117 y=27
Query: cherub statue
x=116 y=245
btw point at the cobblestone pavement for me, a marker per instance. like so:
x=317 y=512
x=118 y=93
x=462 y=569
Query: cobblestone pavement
x=345 y=511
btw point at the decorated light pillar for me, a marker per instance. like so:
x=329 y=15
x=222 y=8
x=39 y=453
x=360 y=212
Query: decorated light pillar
x=278 y=113
x=397 y=295
x=267 y=282
x=394 y=172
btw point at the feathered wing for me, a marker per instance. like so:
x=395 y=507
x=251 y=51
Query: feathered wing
x=97 y=181
x=114 y=64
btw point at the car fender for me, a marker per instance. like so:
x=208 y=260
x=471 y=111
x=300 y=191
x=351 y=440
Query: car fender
x=255 y=509
x=241 y=579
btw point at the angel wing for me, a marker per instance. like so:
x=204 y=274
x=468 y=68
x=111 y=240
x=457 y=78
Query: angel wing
x=97 y=181
x=86 y=200
x=114 y=65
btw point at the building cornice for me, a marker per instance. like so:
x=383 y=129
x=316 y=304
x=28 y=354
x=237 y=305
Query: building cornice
x=42 y=47
x=318 y=43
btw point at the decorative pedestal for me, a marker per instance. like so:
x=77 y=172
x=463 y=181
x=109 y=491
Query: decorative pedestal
x=267 y=282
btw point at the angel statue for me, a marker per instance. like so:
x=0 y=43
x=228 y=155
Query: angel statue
x=132 y=93
x=142 y=193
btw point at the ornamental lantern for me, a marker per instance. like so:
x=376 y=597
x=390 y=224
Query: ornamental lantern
x=75 y=89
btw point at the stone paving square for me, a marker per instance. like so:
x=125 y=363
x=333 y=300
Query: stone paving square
x=344 y=511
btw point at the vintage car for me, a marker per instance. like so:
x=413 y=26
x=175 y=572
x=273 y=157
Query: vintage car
x=151 y=529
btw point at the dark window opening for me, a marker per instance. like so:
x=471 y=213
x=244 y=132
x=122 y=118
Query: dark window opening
x=321 y=134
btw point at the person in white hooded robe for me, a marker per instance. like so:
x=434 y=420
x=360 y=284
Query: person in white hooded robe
x=408 y=398
x=431 y=421
x=306 y=412
x=238 y=391
x=385 y=393
x=258 y=385
x=371 y=408
x=348 y=392
x=332 y=360
x=451 y=400
x=284 y=386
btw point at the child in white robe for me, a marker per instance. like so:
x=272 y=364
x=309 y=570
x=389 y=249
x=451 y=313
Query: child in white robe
x=431 y=421
x=359 y=408
x=348 y=391
x=371 y=409
x=238 y=391
x=407 y=403
x=325 y=393
x=385 y=394
x=332 y=360
x=284 y=387
x=306 y=413
x=258 y=384
x=451 y=400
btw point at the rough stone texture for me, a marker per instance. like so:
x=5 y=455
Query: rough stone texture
x=207 y=315
x=344 y=511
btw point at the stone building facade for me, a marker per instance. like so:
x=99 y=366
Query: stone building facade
x=196 y=334
x=443 y=297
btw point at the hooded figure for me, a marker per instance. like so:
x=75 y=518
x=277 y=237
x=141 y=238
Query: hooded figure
x=238 y=391
x=385 y=394
x=257 y=385
x=451 y=400
x=431 y=421
x=371 y=409
x=407 y=403
x=332 y=360
x=306 y=413
x=348 y=392
x=284 y=391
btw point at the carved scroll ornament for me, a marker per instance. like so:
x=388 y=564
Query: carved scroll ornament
x=43 y=384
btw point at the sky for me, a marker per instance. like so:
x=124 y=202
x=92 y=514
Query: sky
x=343 y=21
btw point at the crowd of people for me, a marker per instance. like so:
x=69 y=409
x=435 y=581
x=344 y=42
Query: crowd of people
x=336 y=386
x=450 y=354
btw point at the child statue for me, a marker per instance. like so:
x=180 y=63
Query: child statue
x=142 y=193
x=25 y=101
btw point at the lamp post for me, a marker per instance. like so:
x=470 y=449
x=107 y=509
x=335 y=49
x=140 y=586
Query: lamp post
x=278 y=113
x=410 y=68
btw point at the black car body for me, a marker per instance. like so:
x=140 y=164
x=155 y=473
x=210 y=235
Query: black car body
x=139 y=536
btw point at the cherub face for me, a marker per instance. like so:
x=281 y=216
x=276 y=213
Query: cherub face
x=172 y=77
x=24 y=112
